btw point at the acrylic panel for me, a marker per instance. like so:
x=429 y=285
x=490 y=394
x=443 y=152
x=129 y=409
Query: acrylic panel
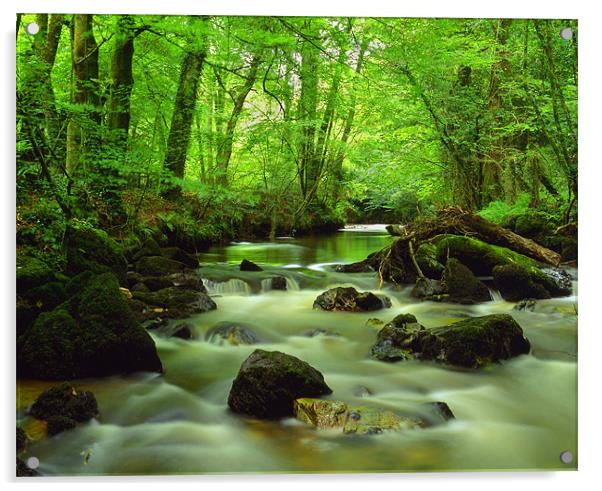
x=295 y=244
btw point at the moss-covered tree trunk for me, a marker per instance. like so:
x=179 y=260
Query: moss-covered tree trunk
x=181 y=121
x=83 y=128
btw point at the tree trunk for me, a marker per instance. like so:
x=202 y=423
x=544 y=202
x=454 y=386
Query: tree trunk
x=122 y=81
x=224 y=151
x=82 y=131
x=181 y=120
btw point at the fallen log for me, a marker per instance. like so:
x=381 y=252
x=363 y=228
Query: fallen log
x=461 y=222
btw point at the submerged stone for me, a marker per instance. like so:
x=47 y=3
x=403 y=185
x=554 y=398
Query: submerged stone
x=269 y=382
x=362 y=420
x=234 y=333
x=350 y=300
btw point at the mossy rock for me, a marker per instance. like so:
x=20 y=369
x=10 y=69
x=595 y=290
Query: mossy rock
x=427 y=259
x=177 y=254
x=91 y=249
x=348 y=299
x=515 y=283
x=47 y=296
x=361 y=420
x=535 y=225
x=233 y=333
x=481 y=258
x=470 y=343
x=66 y=401
x=93 y=334
x=461 y=285
x=58 y=424
x=391 y=342
x=158 y=266
x=181 y=299
x=148 y=248
x=31 y=273
x=269 y=382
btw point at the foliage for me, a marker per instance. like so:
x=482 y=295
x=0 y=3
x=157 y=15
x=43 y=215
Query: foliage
x=214 y=128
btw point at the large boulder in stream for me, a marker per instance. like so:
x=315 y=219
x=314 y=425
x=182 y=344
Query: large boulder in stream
x=350 y=300
x=269 y=382
x=470 y=343
x=93 y=334
x=361 y=420
x=234 y=333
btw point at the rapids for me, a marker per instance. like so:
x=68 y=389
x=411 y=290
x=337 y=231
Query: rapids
x=517 y=415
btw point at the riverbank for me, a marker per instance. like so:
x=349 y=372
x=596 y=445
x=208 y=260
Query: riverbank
x=507 y=416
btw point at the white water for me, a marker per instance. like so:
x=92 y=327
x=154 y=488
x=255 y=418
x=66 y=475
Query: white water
x=517 y=415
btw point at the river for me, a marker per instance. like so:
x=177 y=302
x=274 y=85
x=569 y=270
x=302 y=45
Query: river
x=517 y=415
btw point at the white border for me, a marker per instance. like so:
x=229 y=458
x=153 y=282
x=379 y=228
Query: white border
x=590 y=253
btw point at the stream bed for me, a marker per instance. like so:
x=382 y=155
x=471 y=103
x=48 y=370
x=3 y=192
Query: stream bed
x=520 y=414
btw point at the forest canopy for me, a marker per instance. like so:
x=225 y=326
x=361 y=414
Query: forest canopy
x=258 y=126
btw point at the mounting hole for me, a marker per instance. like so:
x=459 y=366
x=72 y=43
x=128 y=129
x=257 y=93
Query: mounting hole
x=566 y=457
x=32 y=28
x=33 y=462
x=566 y=33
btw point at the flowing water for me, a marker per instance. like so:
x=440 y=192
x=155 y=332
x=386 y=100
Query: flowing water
x=517 y=415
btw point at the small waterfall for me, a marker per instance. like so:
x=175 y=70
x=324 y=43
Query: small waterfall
x=233 y=286
x=496 y=296
x=291 y=284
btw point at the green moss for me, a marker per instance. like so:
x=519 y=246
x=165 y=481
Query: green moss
x=479 y=256
x=47 y=296
x=462 y=285
x=158 y=266
x=31 y=273
x=91 y=249
x=94 y=333
x=426 y=257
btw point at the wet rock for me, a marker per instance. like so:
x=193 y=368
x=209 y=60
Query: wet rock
x=375 y=324
x=187 y=279
x=156 y=323
x=65 y=401
x=94 y=333
x=140 y=287
x=360 y=267
x=362 y=420
x=361 y=391
x=350 y=300
x=184 y=301
x=268 y=383
x=232 y=333
x=133 y=278
x=58 y=424
x=183 y=331
x=439 y=412
x=154 y=283
x=461 y=285
x=149 y=248
x=278 y=283
x=515 y=283
x=31 y=273
x=470 y=343
x=247 y=265
x=426 y=288
x=91 y=249
x=527 y=305
x=158 y=266
x=177 y=254
x=426 y=257
x=320 y=332
x=391 y=343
